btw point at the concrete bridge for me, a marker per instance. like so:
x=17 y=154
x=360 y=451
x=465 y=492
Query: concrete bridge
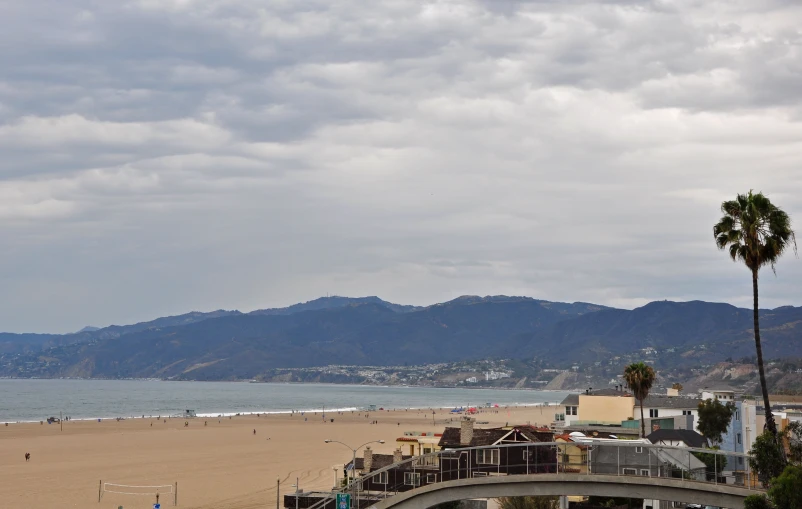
x=583 y=467
x=719 y=495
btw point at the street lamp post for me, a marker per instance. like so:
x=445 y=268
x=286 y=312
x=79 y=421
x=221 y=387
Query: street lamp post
x=353 y=461
x=297 y=489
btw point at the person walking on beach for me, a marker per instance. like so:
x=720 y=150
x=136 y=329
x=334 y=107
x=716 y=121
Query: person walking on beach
x=27 y=456
x=254 y=432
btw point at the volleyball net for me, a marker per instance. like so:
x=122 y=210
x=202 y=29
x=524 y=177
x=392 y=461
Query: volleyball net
x=164 y=492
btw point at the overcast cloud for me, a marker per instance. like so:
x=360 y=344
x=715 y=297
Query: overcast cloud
x=162 y=156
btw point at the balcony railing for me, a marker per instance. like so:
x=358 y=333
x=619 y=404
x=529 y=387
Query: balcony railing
x=583 y=457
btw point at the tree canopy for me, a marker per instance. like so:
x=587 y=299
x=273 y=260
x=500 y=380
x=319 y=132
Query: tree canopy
x=714 y=419
x=533 y=502
x=766 y=458
x=754 y=230
x=785 y=490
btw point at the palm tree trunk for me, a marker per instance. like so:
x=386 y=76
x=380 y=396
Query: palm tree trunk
x=642 y=422
x=770 y=424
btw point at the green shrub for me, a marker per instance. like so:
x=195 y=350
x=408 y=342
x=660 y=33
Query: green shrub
x=786 y=490
x=757 y=502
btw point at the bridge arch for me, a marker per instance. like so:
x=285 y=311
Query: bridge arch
x=561 y=484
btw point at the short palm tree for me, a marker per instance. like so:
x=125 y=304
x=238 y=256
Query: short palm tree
x=757 y=233
x=640 y=378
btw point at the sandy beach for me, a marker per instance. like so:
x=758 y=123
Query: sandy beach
x=220 y=465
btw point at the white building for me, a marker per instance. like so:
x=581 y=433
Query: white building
x=656 y=407
x=723 y=395
x=496 y=375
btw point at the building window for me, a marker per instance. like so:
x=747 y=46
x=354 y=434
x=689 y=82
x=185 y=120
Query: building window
x=737 y=415
x=644 y=472
x=639 y=450
x=528 y=455
x=412 y=478
x=687 y=412
x=381 y=478
x=487 y=456
x=653 y=412
x=738 y=437
x=431 y=478
x=630 y=471
x=570 y=410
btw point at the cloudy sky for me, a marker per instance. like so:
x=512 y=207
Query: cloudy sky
x=162 y=156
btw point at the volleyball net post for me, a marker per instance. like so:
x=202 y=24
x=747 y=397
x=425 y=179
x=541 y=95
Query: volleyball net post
x=171 y=490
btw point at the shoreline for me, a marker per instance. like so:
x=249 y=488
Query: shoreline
x=301 y=412
x=107 y=401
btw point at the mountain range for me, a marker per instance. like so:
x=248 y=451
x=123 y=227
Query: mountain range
x=228 y=345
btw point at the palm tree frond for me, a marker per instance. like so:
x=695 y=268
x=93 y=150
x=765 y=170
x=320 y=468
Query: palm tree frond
x=757 y=233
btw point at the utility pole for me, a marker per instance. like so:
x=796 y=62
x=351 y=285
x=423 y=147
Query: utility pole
x=278 y=484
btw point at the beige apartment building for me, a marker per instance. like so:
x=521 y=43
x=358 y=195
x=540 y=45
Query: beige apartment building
x=602 y=407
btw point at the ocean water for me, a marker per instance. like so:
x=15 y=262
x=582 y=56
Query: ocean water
x=34 y=400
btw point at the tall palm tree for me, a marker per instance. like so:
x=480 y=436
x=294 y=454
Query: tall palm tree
x=757 y=233
x=639 y=378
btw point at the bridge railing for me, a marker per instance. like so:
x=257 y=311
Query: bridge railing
x=581 y=457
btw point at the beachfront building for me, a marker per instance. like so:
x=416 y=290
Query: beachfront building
x=662 y=406
x=571 y=457
x=457 y=460
x=417 y=443
x=600 y=407
x=492 y=461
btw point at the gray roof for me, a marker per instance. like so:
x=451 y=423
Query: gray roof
x=571 y=399
x=677 y=402
x=690 y=437
x=609 y=392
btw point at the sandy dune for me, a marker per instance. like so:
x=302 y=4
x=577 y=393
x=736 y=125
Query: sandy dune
x=221 y=465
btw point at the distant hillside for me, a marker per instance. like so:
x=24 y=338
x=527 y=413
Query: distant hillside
x=22 y=343
x=226 y=345
x=359 y=331
x=703 y=332
x=334 y=302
